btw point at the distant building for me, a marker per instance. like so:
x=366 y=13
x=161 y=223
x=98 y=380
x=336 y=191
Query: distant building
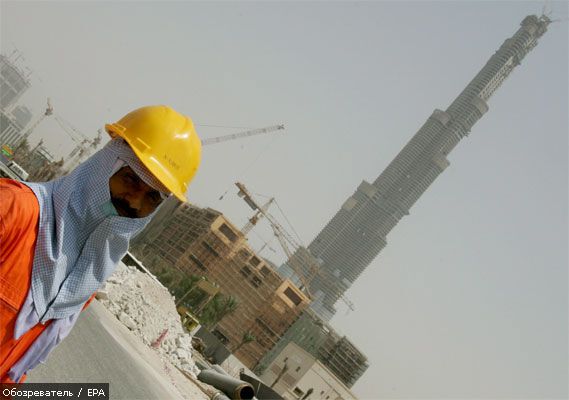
x=22 y=116
x=13 y=82
x=10 y=130
x=203 y=242
x=44 y=154
x=319 y=339
x=352 y=239
x=297 y=374
x=40 y=158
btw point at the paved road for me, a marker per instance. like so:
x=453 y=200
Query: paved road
x=101 y=349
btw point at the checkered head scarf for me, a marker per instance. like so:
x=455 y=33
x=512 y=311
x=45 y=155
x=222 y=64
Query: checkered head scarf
x=79 y=242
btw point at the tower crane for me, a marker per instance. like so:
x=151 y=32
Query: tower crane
x=252 y=132
x=260 y=212
x=83 y=149
x=289 y=245
x=281 y=234
x=71 y=131
x=47 y=113
x=79 y=138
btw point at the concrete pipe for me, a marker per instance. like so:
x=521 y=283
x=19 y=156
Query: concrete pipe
x=219 y=396
x=218 y=368
x=232 y=387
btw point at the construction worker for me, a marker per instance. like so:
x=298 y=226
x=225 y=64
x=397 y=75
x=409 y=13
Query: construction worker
x=60 y=240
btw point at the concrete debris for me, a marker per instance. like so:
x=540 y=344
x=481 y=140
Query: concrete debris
x=102 y=295
x=146 y=307
x=127 y=321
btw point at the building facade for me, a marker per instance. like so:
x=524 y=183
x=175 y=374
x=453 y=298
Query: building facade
x=13 y=82
x=22 y=116
x=203 y=242
x=358 y=232
x=11 y=133
x=297 y=374
x=322 y=342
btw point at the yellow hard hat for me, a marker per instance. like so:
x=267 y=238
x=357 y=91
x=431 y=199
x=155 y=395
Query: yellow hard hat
x=165 y=141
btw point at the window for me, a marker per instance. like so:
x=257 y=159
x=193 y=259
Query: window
x=266 y=329
x=265 y=271
x=256 y=281
x=295 y=298
x=244 y=253
x=210 y=248
x=255 y=261
x=245 y=271
x=228 y=232
x=198 y=262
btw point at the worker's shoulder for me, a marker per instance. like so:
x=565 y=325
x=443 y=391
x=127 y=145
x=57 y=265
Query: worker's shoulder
x=11 y=187
x=15 y=197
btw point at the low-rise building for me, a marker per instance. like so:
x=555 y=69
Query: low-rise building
x=297 y=374
x=321 y=340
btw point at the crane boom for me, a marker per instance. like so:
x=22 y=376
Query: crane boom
x=72 y=132
x=299 y=259
x=240 y=135
x=283 y=237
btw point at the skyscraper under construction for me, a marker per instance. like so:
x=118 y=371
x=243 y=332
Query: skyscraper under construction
x=357 y=233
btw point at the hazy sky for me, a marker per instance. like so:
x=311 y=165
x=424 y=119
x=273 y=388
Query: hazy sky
x=469 y=299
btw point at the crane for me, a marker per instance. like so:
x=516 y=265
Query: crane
x=79 y=138
x=71 y=131
x=47 y=113
x=83 y=149
x=281 y=234
x=83 y=144
x=256 y=217
x=305 y=266
x=240 y=135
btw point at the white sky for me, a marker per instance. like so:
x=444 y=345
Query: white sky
x=469 y=299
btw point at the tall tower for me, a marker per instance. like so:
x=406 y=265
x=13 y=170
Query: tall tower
x=357 y=233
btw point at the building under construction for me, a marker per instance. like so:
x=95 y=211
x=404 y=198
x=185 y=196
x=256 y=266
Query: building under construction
x=14 y=81
x=318 y=338
x=203 y=242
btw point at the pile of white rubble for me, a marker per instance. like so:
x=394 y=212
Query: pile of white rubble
x=146 y=307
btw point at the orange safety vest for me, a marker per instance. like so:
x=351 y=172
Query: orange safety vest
x=19 y=215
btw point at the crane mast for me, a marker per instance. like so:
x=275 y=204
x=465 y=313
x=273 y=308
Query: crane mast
x=256 y=217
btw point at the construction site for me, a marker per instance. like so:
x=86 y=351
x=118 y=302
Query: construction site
x=196 y=304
